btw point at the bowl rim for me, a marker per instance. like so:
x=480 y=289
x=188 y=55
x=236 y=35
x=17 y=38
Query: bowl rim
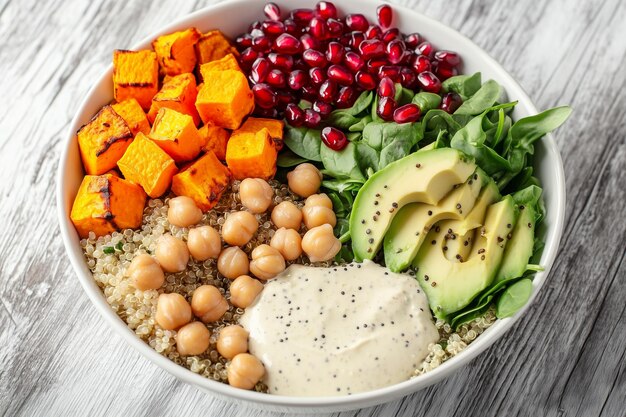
x=377 y=396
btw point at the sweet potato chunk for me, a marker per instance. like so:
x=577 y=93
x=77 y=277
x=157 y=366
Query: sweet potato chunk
x=176 y=134
x=103 y=140
x=106 y=203
x=225 y=99
x=229 y=62
x=204 y=181
x=176 y=51
x=135 y=75
x=214 y=139
x=133 y=115
x=178 y=93
x=251 y=155
x=275 y=127
x=146 y=164
x=213 y=46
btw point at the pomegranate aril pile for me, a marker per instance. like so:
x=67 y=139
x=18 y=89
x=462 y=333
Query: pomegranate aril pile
x=329 y=60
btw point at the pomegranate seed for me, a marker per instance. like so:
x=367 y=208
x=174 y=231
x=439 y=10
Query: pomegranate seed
x=294 y=115
x=256 y=32
x=287 y=44
x=272 y=11
x=390 y=71
x=247 y=57
x=357 y=21
x=314 y=58
x=413 y=40
x=243 y=41
x=335 y=27
x=260 y=69
x=302 y=16
x=280 y=61
x=327 y=91
x=340 y=75
x=322 y=108
x=407 y=114
x=345 y=98
x=285 y=97
x=451 y=59
x=386 y=107
x=291 y=27
x=334 y=138
x=353 y=61
x=409 y=78
x=444 y=72
x=372 y=48
x=326 y=9
x=334 y=52
x=355 y=39
x=309 y=92
x=384 y=14
x=273 y=28
x=395 y=51
x=276 y=78
x=421 y=63
x=270 y=113
x=391 y=34
x=373 y=65
x=300 y=64
x=317 y=28
x=317 y=75
x=365 y=80
x=407 y=58
x=261 y=43
x=309 y=42
x=256 y=25
x=450 y=102
x=386 y=87
x=311 y=118
x=373 y=32
x=429 y=82
x=297 y=79
x=425 y=48
x=264 y=95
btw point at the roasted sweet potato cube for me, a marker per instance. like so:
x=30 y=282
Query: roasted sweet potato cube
x=146 y=164
x=135 y=75
x=275 y=127
x=214 y=139
x=106 y=203
x=204 y=181
x=178 y=93
x=133 y=115
x=229 y=62
x=176 y=51
x=103 y=140
x=213 y=46
x=225 y=99
x=176 y=134
x=251 y=155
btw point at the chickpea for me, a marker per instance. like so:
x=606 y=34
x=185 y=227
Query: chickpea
x=245 y=371
x=318 y=215
x=232 y=341
x=239 y=227
x=204 y=243
x=172 y=253
x=145 y=273
x=318 y=200
x=192 y=339
x=183 y=212
x=255 y=194
x=305 y=180
x=288 y=242
x=320 y=244
x=266 y=262
x=288 y=215
x=208 y=303
x=244 y=290
x=173 y=311
x=233 y=262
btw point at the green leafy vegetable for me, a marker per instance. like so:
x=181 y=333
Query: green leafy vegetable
x=341 y=119
x=367 y=158
x=514 y=298
x=360 y=125
x=109 y=250
x=483 y=99
x=287 y=159
x=304 y=142
x=341 y=164
x=426 y=101
x=464 y=85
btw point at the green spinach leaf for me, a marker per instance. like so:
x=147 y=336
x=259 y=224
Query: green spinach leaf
x=360 y=125
x=483 y=99
x=514 y=298
x=367 y=158
x=426 y=101
x=304 y=142
x=341 y=164
x=287 y=159
x=464 y=85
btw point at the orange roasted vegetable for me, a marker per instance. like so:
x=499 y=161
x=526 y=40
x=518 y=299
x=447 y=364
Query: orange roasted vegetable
x=229 y=62
x=103 y=140
x=213 y=46
x=176 y=51
x=214 y=139
x=178 y=93
x=225 y=99
x=204 y=181
x=176 y=134
x=133 y=115
x=135 y=75
x=148 y=165
x=251 y=155
x=275 y=127
x=106 y=203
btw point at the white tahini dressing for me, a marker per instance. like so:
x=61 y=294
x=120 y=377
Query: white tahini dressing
x=339 y=330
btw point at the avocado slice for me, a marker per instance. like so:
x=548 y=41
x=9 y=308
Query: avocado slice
x=422 y=177
x=450 y=286
x=457 y=247
x=410 y=226
x=519 y=249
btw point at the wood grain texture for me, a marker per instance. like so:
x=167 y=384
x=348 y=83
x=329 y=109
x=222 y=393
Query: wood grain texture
x=566 y=357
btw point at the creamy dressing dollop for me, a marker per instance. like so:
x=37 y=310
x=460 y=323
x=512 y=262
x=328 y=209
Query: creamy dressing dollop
x=339 y=330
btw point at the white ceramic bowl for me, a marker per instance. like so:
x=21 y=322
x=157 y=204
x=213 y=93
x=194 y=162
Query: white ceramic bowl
x=233 y=18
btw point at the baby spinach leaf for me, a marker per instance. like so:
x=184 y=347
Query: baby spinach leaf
x=470 y=313
x=341 y=164
x=342 y=186
x=304 y=142
x=375 y=116
x=361 y=104
x=435 y=121
x=464 y=85
x=367 y=158
x=405 y=97
x=397 y=149
x=426 y=101
x=288 y=159
x=360 y=125
x=354 y=136
x=527 y=130
x=483 y=99
x=341 y=119
x=379 y=134
x=514 y=298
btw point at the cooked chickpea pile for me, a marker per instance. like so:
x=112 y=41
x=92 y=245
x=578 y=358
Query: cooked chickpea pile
x=191 y=319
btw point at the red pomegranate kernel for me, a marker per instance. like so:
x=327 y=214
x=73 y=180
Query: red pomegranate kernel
x=326 y=9
x=353 y=61
x=273 y=27
x=413 y=40
x=373 y=65
x=357 y=21
x=261 y=43
x=390 y=71
x=451 y=59
x=386 y=87
x=429 y=82
x=291 y=27
x=341 y=75
x=409 y=78
x=334 y=138
x=270 y=113
x=294 y=115
x=450 y=102
x=302 y=17
x=407 y=114
x=322 y=108
x=264 y=95
x=444 y=72
x=309 y=92
x=327 y=91
x=334 y=52
x=345 y=98
x=317 y=76
x=317 y=28
x=256 y=25
x=311 y=118
x=384 y=14
x=373 y=32
x=386 y=107
x=425 y=48
x=421 y=63
x=395 y=51
x=260 y=69
x=309 y=42
x=287 y=44
x=276 y=78
x=247 y=57
x=284 y=98
x=372 y=48
x=314 y=58
x=391 y=34
x=355 y=39
x=365 y=80
x=297 y=79
x=281 y=61
x=272 y=11
x=243 y=41
x=335 y=27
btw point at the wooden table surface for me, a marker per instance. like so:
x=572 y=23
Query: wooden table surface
x=566 y=357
